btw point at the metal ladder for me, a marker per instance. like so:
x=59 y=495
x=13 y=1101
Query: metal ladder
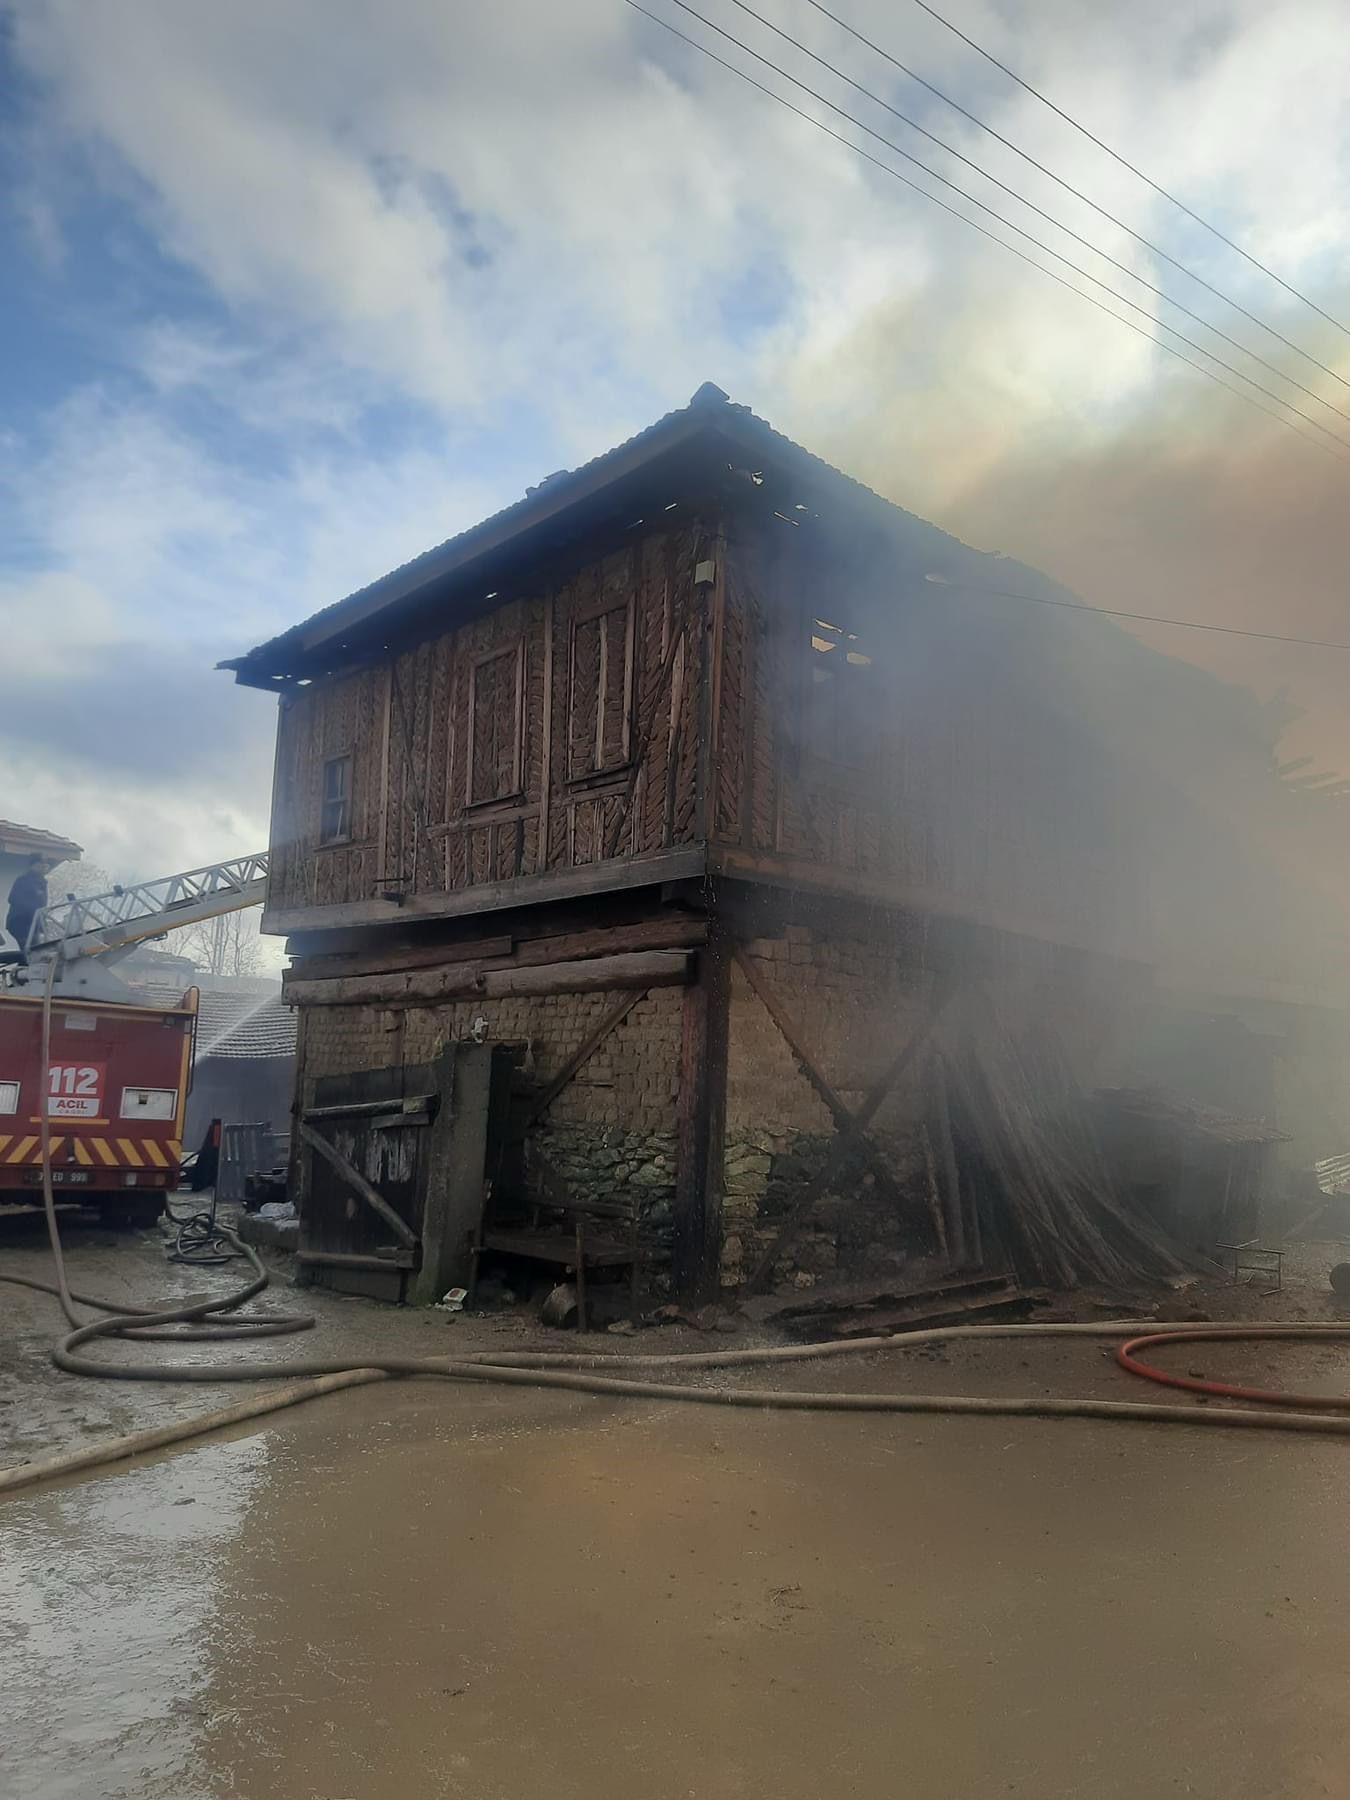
x=129 y=915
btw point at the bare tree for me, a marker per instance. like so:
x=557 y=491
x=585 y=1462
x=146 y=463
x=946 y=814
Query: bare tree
x=82 y=879
x=226 y=945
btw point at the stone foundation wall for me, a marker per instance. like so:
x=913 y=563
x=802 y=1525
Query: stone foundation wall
x=853 y=1002
x=610 y=1130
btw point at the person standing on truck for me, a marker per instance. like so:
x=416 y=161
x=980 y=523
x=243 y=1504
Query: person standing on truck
x=27 y=898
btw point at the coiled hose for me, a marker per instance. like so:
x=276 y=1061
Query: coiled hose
x=307 y=1378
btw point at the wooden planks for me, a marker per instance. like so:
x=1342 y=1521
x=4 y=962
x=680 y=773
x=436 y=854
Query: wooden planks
x=466 y=980
x=355 y=1180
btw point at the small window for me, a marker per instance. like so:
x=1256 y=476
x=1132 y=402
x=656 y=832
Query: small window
x=9 y=1098
x=149 y=1103
x=335 y=817
x=496 y=726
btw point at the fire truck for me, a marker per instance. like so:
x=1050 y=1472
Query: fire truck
x=120 y=1067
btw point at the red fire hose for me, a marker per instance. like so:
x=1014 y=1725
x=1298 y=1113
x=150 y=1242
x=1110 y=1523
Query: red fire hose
x=1127 y=1357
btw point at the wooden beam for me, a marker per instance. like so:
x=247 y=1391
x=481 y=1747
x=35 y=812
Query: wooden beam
x=546 y=734
x=681 y=931
x=407 y=987
x=834 y=1102
x=383 y=962
x=702 y=635
x=686 y=862
x=611 y=1021
x=350 y=1259
x=644 y=968
x=845 y=1142
x=355 y=1180
x=645 y=738
x=714 y=656
x=467 y=981
x=701 y=1127
x=963 y=1235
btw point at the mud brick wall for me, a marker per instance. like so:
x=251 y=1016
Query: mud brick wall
x=853 y=1001
x=610 y=1130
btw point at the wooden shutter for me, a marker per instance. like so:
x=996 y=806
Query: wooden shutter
x=496 y=725
x=600 y=688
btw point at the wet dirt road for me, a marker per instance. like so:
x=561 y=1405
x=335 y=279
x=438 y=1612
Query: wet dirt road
x=425 y=1590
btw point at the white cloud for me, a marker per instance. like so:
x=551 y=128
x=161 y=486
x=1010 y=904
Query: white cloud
x=554 y=219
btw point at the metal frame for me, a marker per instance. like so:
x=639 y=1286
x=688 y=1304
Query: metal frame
x=127 y=915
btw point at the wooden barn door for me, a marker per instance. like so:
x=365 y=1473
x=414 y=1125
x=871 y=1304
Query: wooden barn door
x=367 y=1138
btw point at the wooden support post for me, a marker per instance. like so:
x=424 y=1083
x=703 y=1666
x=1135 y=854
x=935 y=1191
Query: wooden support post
x=297 y=1173
x=965 y=1242
x=701 y=1125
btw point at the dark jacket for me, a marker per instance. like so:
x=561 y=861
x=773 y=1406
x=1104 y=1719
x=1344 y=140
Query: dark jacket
x=27 y=897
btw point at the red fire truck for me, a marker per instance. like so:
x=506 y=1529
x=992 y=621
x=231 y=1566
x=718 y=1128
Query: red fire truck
x=117 y=1082
x=116 y=1089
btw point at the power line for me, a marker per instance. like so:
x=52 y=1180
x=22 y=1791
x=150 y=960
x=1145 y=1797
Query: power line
x=1114 y=612
x=1069 y=188
x=1049 y=217
x=895 y=174
x=1125 y=163
x=1012 y=249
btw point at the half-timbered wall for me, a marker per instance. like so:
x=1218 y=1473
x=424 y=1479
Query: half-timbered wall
x=870 y=732
x=556 y=731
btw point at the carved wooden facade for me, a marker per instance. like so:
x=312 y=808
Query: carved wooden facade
x=554 y=733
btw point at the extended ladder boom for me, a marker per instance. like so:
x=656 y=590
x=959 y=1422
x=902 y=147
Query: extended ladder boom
x=129 y=915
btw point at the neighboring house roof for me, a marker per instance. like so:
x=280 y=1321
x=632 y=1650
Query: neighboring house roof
x=29 y=840
x=235 y=1022
x=711 y=426
x=268 y=1031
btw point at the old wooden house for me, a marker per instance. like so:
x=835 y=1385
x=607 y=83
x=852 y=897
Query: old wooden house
x=703 y=778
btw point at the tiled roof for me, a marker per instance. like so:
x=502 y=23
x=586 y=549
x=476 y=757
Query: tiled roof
x=711 y=423
x=268 y=1030
x=30 y=840
x=234 y=1022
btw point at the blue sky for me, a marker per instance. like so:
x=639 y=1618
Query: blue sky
x=295 y=290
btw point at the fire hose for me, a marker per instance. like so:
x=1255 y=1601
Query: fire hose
x=307 y=1378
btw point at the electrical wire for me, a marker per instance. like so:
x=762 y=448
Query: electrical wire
x=1026 y=157
x=1115 y=612
x=993 y=237
x=1051 y=218
x=1125 y=163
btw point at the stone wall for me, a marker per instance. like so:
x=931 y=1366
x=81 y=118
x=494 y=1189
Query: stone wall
x=612 y=1128
x=853 y=1001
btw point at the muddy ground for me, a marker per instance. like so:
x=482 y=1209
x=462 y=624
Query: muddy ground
x=424 y=1589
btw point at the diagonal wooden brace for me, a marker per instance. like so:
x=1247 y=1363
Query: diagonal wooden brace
x=355 y=1180
x=834 y=1102
x=847 y=1139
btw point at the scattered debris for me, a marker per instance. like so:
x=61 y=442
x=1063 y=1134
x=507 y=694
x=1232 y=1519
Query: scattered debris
x=855 y=1309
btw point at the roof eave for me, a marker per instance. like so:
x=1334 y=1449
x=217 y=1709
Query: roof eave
x=259 y=668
